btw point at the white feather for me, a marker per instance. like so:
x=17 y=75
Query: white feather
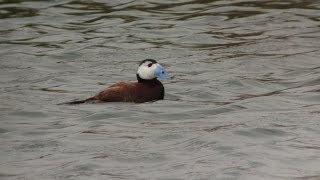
x=146 y=72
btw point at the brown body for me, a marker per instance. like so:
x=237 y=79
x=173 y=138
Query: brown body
x=132 y=92
x=138 y=92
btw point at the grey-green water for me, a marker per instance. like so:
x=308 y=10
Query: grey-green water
x=244 y=103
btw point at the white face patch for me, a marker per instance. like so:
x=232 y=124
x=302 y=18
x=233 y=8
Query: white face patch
x=146 y=72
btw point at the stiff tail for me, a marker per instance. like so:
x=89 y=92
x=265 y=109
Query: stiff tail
x=78 y=101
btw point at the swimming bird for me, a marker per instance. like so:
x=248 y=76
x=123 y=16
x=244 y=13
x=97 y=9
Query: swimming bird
x=147 y=88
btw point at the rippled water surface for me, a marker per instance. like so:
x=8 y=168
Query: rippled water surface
x=244 y=103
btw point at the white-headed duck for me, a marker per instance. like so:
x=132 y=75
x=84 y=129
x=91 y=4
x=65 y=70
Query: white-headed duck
x=148 y=87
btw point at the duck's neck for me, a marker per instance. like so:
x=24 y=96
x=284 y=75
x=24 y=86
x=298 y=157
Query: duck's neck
x=140 y=80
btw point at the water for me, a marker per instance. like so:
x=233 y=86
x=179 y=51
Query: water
x=244 y=103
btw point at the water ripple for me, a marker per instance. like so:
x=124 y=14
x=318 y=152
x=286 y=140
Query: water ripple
x=244 y=103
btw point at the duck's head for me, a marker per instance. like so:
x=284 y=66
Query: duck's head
x=150 y=69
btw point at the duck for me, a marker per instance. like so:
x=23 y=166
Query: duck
x=147 y=88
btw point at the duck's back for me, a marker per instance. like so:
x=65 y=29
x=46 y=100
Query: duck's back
x=132 y=92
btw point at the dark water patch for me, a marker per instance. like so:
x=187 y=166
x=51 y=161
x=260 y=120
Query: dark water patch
x=140 y=156
x=82 y=5
x=93 y=132
x=3 y=130
x=116 y=175
x=284 y=126
x=278 y=5
x=51 y=90
x=315 y=177
x=101 y=156
x=5 y=175
x=261 y=132
x=37 y=146
x=17 y=12
x=101 y=132
x=248 y=96
x=29 y=114
x=229 y=14
x=306 y=147
x=47 y=45
x=221 y=127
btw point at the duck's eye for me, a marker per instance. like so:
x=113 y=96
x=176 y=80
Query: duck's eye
x=162 y=72
x=150 y=64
